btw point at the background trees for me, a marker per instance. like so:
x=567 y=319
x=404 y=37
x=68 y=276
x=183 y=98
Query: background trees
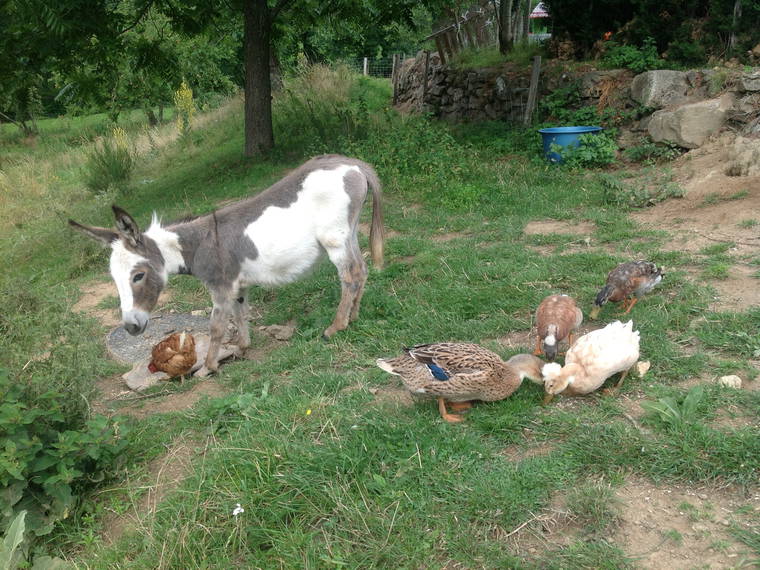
x=686 y=32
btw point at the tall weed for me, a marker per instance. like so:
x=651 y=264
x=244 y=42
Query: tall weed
x=315 y=106
x=110 y=163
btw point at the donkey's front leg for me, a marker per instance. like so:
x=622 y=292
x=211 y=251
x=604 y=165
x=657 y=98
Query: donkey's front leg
x=219 y=317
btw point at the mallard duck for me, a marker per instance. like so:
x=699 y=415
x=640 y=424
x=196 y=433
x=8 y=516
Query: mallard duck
x=556 y=317
x=592 y=359
x=627 y=282
x=460 y=372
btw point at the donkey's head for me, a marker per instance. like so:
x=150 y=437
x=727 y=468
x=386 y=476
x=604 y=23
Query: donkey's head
x=137 y=268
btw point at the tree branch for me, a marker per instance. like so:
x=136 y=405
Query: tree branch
x=281 y=5
x=140 y=16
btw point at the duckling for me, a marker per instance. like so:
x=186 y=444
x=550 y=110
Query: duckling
x=592 y=359
x=627 y=282
x=460 y=372
x=556 y=318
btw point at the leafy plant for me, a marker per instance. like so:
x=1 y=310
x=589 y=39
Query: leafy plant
x=673 y=413
x=594 y=150
x=43 y=462
x=110 y=163
x=637 y=59
x=638 y=193
x=185 y=105
x=650 y=152
x=10 y=553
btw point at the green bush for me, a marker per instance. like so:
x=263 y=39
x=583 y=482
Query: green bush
x=650 y=152
x=631 y=57
x=109 y=164
x=647 y=190
x=44 y=463
x=594 y=150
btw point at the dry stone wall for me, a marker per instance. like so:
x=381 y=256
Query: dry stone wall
x=685 y=104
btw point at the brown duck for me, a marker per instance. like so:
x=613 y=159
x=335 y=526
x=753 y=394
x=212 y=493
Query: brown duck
x=626 y=283
x=556 y=318
x=459 y=372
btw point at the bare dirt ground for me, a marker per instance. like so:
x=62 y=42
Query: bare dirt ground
x=663 y=527
x=716 y=209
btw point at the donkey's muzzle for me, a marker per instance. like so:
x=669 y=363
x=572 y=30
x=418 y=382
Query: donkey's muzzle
x=135 y=322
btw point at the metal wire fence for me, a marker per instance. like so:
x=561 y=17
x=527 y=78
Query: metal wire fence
x=374 y=67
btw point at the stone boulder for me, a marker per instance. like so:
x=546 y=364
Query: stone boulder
x=690 y=125
x=751 y=81
x=744 y=157
x=660 y=88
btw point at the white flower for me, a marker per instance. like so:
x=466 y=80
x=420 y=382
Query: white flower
x=237 y=510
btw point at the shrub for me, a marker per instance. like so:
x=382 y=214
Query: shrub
x=649 y=189
x=631 y=57
x=44 y=463
x=594 y=150
x=110 y=163
x=650 y=152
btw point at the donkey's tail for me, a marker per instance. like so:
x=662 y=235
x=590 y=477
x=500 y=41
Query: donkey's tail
x=376 y=237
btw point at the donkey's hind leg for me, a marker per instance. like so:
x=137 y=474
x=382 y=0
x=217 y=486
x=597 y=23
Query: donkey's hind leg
x=352 y=271
x=242 y=336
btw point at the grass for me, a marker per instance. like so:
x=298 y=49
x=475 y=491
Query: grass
x=478 y=58
x=362 y=481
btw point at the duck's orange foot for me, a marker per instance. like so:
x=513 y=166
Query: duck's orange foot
x=451 y=418
x=460 y=406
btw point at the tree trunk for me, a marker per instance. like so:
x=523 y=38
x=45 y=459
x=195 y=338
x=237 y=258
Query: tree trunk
x=152 y=119
x=734 y=23
x=259 y=136
x=505 y=25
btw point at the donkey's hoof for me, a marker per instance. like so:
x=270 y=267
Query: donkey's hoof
x=202 y=372
x=325 y=337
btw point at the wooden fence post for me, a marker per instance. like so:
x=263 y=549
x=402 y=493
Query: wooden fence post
x=425 y=79
x=394 y=77
x=533 y=91
x=439 y=47
x=365 y=69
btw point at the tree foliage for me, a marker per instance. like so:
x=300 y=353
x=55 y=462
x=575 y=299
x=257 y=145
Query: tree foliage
x=686 y=32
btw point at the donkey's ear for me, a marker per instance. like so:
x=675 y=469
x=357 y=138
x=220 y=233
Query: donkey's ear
x=103 y=235
x=126 y=226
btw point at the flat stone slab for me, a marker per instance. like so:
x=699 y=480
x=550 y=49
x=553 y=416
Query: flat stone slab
x=129 y=349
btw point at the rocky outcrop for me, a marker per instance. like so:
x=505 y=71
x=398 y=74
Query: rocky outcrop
x=690 y=125
x=744 y=157
x=660 y=88
x=750 y=81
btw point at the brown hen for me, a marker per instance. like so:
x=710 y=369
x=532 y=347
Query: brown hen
x=174 y=355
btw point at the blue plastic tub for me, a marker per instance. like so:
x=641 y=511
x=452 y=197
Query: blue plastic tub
x=564 y=137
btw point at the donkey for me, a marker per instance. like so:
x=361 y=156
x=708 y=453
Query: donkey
x=269 y=239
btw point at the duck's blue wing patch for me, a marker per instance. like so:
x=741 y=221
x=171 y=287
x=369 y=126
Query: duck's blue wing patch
x=437 y=372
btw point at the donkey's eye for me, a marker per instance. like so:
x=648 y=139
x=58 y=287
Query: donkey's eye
x=138 y=277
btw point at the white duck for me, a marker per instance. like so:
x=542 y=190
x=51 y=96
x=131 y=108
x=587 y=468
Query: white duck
x=592 y=359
